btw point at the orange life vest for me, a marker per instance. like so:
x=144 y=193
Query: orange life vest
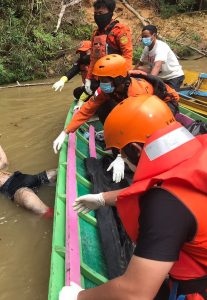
x=182 y=170
x=143 y=87
x=170 y=93
x=100 y=46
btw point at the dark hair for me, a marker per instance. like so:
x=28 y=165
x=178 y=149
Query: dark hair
x=151 y=28
x=110 y=4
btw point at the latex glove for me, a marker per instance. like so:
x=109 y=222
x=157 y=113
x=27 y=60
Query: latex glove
x=59 y=84
x=70 y=292
x=83 y=96
x=88 y=202
x=118 y=168
x=88 y=86
x=78 y=105
x=57 y=144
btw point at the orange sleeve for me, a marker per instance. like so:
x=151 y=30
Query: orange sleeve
x=86 y=112
x=124 y=41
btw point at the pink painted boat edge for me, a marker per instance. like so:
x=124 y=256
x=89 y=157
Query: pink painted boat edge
x=72 y=254
x=92 y=145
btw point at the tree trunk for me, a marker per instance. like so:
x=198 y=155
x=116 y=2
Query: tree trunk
x=130 y=8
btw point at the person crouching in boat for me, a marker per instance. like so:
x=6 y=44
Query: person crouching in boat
x=80 y=66
x=115 y=85
x=163 y=211
x=19 y=187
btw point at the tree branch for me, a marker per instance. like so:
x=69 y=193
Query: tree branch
x=64 y=4
x=130 y=8
x=25 y=85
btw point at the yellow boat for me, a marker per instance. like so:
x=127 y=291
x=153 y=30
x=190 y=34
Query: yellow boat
x=193 y=94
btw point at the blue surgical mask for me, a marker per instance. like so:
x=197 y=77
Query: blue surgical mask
x=107 y=87
x=147 y=41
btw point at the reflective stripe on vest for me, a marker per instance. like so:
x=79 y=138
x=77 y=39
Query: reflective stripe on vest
x=168 y=142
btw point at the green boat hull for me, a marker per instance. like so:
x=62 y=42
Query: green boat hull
x=93 y=267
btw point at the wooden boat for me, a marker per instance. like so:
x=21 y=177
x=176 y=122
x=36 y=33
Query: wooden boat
x=77 y=254
x=194 y=92
x=75 y=259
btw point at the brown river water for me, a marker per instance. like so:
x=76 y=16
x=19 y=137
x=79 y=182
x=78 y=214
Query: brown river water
x=31 y=118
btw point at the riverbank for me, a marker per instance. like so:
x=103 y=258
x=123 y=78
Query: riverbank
x=30 y=48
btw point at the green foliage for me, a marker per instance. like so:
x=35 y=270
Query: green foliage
x=137 y=54
x=196 y=37
x=26 y=49
x=82 y=32
x=45 y=45
x=169 y=8
x=181 y=51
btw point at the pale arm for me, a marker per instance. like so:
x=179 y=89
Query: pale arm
x=156 y=69
x=142 y=280
x=3 y=159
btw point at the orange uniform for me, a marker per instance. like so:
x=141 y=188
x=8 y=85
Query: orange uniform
x=136 y=88
x=116 y=38
x=182 y=171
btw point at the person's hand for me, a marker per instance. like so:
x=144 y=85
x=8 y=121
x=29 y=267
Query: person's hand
x=78 y=105
x=118 y=168
x=88 y=86
x=59 y=141
x=88 y=202
x=83 y=97
x=70 y=292
x=59 y=84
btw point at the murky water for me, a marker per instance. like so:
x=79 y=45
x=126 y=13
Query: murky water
x=30 y=119
x=199 y=65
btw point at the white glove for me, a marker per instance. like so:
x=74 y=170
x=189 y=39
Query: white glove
x=58 y=85
x=88 y=202
x=118 y=168
x=70 y=292
x=57 y=144
x=88 y=86
x=78 y=105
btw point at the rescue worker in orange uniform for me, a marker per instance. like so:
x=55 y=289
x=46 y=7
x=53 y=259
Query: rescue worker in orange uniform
x=80 y=66
x=110 y=37
x=163 y=211
x=115 y=85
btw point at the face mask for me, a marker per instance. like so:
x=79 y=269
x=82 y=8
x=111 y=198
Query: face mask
x=107 y=87
x=103 y=20
x=147 y=41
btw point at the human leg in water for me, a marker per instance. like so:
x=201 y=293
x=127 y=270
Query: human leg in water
x=25 y=197
x=52 y=176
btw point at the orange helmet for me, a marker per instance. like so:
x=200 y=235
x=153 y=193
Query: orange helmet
x=112 y=65
x=135 y=119
x=84 y=46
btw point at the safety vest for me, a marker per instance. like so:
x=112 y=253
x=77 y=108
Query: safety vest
x=175 y=159
x=160 y=89
x=100 y=47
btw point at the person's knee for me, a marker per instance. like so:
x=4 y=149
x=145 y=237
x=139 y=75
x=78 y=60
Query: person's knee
x=52 y=175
